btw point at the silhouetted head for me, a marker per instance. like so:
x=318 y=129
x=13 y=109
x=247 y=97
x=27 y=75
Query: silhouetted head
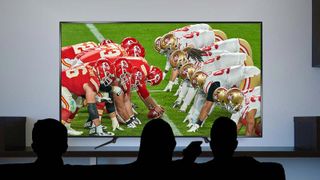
x=49 y=138
x=223 y=137
x=157 y=143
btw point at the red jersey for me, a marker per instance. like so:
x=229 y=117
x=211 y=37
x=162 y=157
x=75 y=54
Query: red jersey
x=144 y=67
x=140 y=63
x=74 y=79
x=110 y=51
x=72 y=51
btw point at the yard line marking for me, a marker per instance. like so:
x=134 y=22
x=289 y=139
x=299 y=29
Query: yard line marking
x=95 y=32
x=165 y=117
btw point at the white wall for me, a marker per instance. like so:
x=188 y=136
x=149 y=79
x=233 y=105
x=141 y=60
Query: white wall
x=29 y=54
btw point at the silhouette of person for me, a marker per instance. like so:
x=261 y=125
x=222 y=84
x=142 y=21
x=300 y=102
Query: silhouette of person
x=49 y=142
x=157 y=144
x=223 y=145
x=155 y=152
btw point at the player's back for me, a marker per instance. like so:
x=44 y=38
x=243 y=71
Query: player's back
x=197 y=39
x=72 y=51
x=75 y=78
x=140 y=63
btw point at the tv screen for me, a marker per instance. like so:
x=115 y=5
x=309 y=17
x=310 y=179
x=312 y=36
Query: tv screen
x=117 y=76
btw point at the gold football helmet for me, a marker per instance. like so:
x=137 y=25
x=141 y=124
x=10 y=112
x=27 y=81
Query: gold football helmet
x=245 y=47
x=198 y=79
x=220 y=96
x=157 y=44
x=186 y=71
x=177 y=59
x=219 y=35
x=168 y=41
x=235 y=98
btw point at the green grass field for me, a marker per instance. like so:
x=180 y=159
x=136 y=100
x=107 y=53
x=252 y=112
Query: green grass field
x=73 y=33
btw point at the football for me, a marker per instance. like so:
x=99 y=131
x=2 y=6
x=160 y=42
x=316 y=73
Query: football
x=152 y=114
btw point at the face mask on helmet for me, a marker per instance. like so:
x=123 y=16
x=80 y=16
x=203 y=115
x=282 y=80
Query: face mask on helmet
x=123 y=72
x=126 y=42
x=137 y=78
x=235 y=99
x=198 y=79
x=220 y=96
x=177 y=59
x=105 y=71
x=186 y=71
x=136 y=50
x=157 y=44
x=155 y=76
x=168 y=42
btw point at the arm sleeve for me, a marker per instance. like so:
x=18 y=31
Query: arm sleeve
x=212 y=88
x=143 y=91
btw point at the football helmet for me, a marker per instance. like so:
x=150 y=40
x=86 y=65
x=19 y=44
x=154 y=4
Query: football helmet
x=137 y=78
x=169 y=41
x=198 y=79
x=235 y=99
x=219 y=96
x=123 y=71
x=105 y=42
x=136 y=50
x=105 y=71
x=157 y=44
x=126 y=42
x=155 y=76
x=178 y=58
x=186 y=71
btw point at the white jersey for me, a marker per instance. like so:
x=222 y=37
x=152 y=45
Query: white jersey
x=230 y=77
x=178 y=33
x=196 y=39
x=223 y=61
x=252 y=100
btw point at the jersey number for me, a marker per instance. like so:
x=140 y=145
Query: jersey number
x=71 y=73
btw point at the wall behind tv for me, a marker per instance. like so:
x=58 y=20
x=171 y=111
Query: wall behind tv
x=29 y=53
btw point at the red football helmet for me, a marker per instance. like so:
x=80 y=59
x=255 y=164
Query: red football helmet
x=126 y=42
x=105 y=42
x=155 y=76
x=153 y=114
x=105 y=71
x=123 y=71
x=137 y=78
x=136 y=50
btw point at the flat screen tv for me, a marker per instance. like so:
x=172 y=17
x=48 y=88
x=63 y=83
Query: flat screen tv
x=117 y=76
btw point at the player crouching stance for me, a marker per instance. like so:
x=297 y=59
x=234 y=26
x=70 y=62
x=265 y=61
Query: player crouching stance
x=85 y=81
x=121 y=93
x=227 y=78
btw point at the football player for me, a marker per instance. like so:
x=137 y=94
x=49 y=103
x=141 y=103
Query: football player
x=227 y=78
x=245 y=109
x=121 y=93
x=143 y=73
x=85 y=81
x=68 y=53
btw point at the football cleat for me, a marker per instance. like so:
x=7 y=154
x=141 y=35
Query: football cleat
x=115 y=124
x=177 y=103
x=98 y=131
x=87 y=125
x=71 y=131
x=189 y=125
x=194 y=128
